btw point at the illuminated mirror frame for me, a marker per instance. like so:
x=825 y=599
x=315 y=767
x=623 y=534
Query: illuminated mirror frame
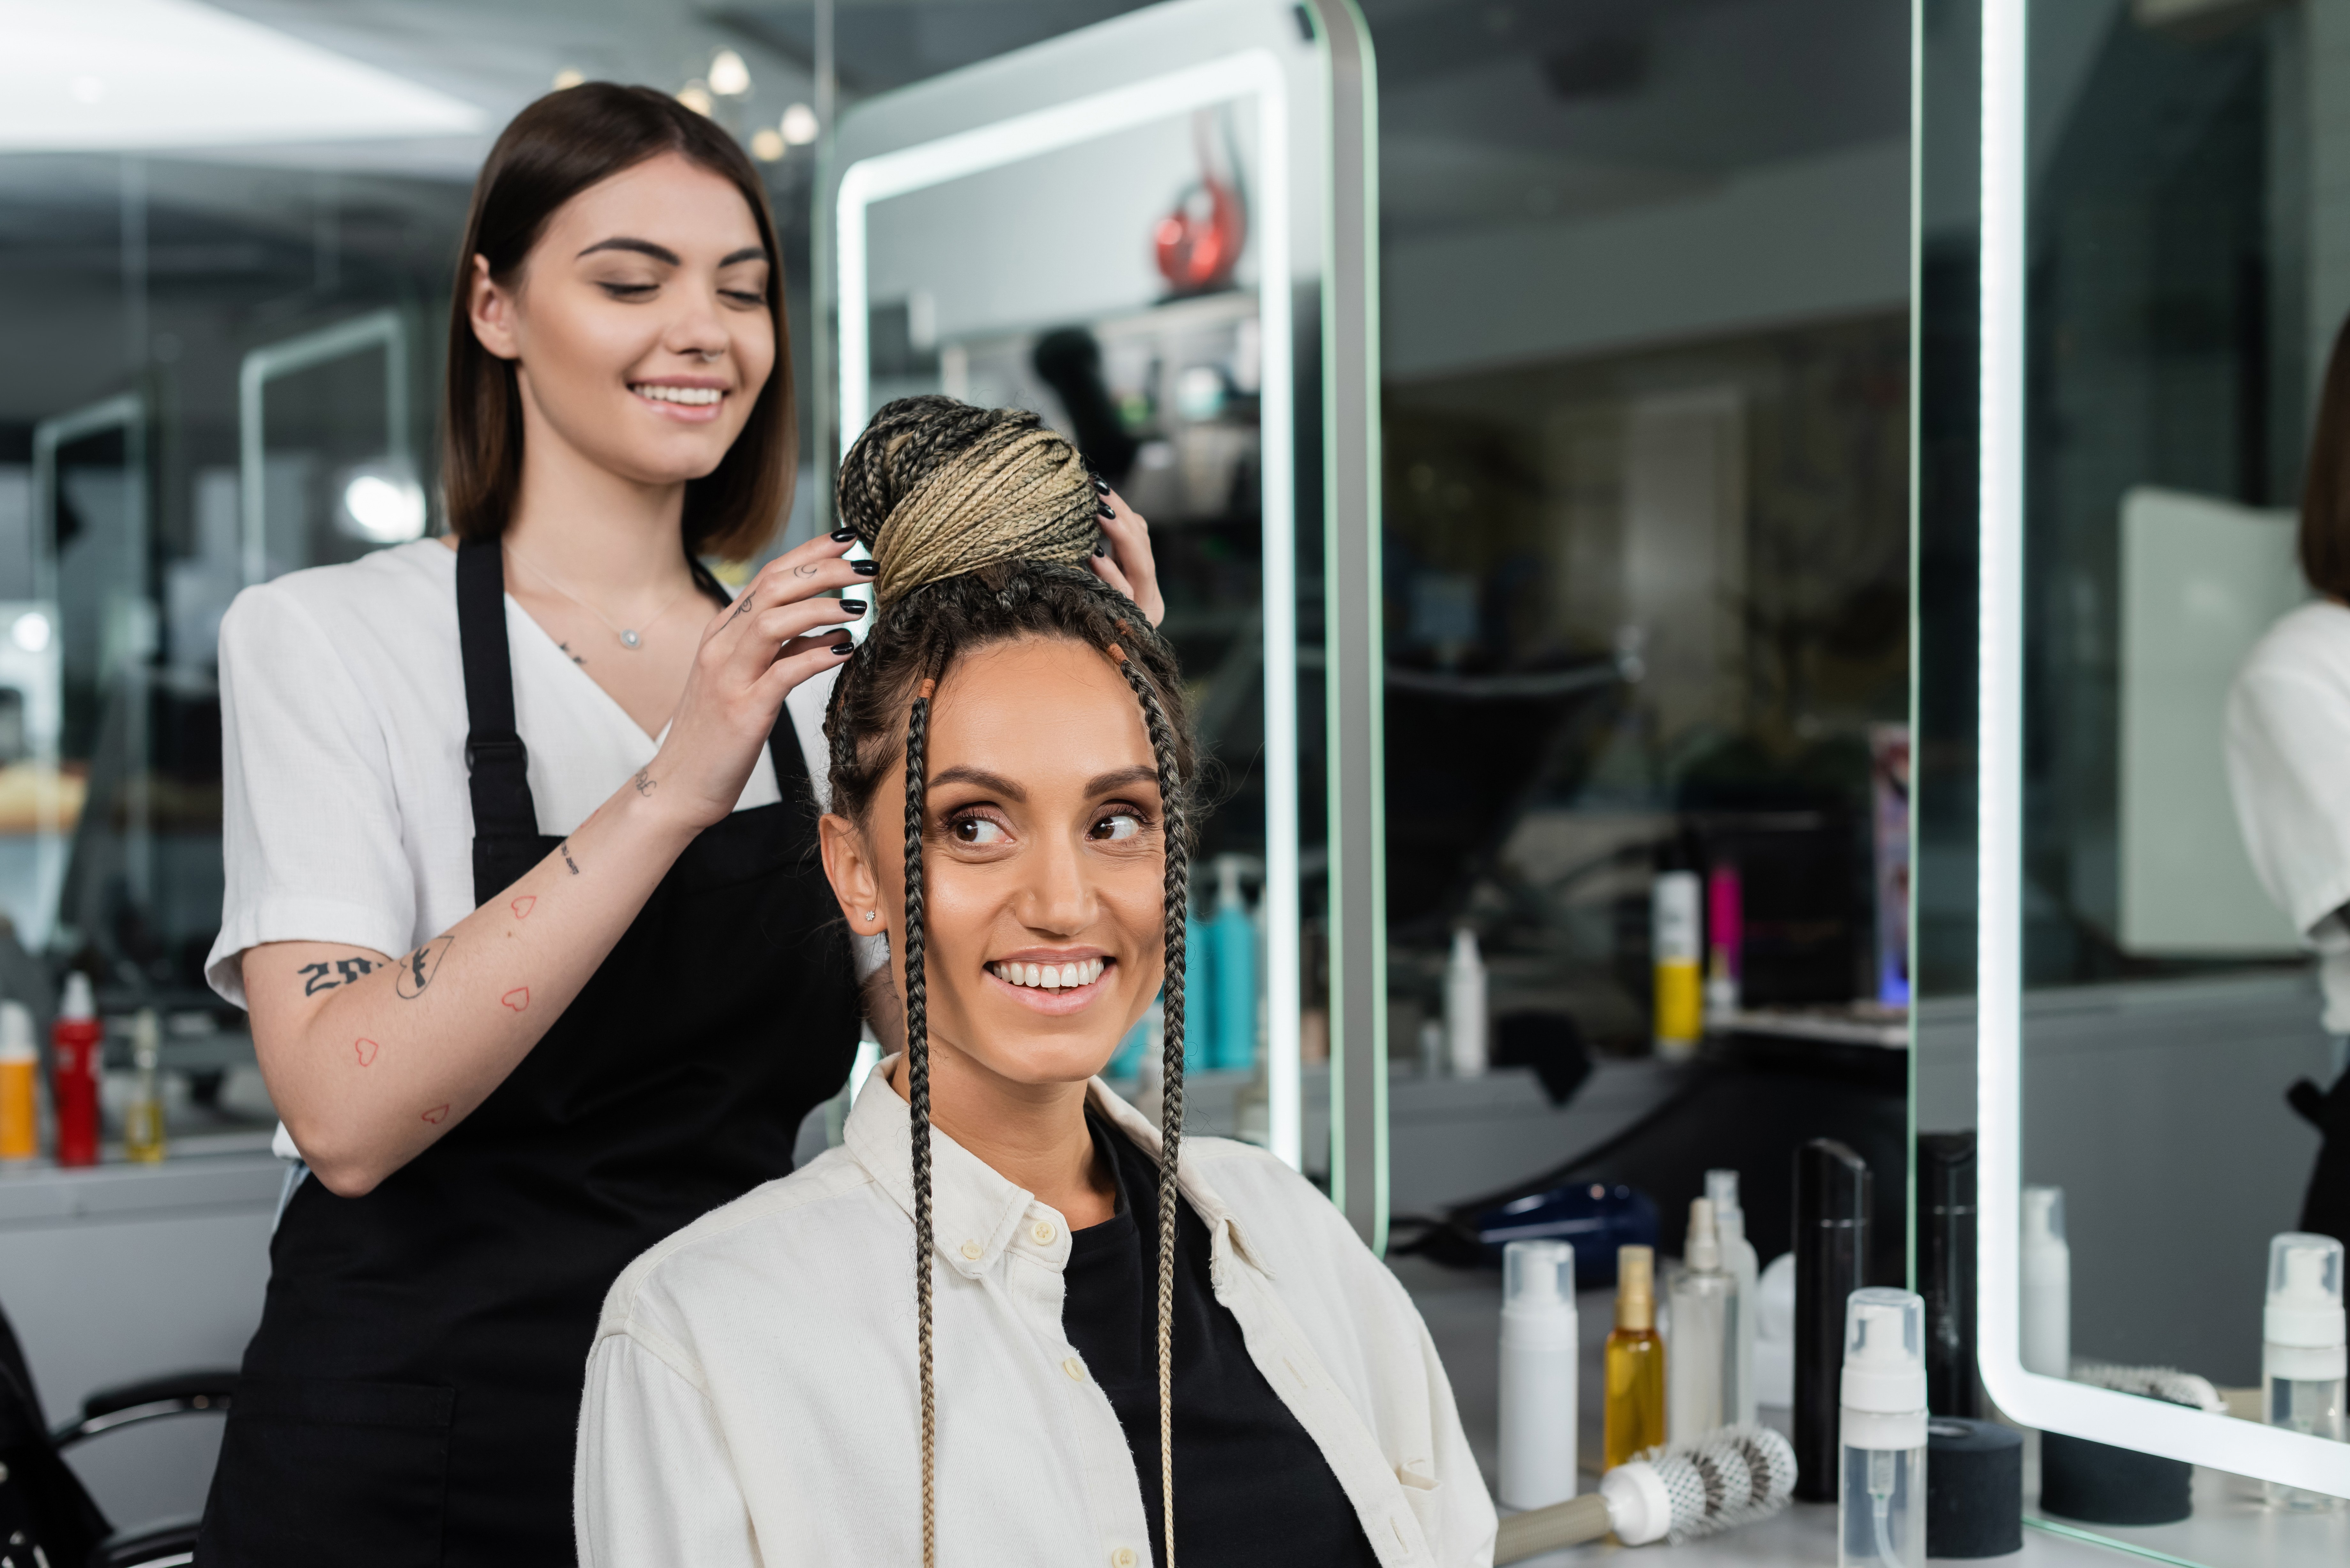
x=1244 y=78
x=378 y=329
x=2051 y=1404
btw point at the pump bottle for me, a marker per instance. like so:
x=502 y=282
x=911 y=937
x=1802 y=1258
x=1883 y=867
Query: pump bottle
x=2046 y=1265
x=1881 y=1426
x=75 y=1044
x=1701 y=1374
x=1739 y=1259
x=1538 y=1374
x=2303 y=1357
x=20 y=1073
x=1633 y=1417
x=1464 y=1005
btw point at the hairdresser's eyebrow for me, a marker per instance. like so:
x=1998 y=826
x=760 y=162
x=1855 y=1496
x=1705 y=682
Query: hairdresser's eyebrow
x=1103 y=784
x=748 y=252
x=661 y=254
x=994 y=783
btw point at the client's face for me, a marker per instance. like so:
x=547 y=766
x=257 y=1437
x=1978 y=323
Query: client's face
x=1045 y=859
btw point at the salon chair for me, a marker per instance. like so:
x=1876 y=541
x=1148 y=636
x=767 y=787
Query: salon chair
x=43 y=1503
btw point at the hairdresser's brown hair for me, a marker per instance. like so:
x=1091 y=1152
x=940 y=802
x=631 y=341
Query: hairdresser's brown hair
x=2325 y=488
x=552 y=151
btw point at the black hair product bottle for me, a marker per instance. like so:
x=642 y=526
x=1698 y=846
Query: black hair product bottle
x=1946 y=1271
x=1831 y=1241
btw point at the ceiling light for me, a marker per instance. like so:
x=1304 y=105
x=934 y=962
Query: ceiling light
x=695 y=96
x=180 y=74
x=569 y=76
x=729 y=77
x=382 y=505
x=31 y=631
x=767 y=144
x=799 y=125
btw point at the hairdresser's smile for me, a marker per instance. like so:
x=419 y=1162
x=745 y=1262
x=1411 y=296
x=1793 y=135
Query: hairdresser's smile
x=694 y=400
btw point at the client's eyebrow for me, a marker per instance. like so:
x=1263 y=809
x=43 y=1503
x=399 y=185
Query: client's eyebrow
x=661 y=254
x=994 y=783
x=1103 y=783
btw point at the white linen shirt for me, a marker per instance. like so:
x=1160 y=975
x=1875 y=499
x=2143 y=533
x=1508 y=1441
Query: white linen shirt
x=2288 y=744
x=753 y=1396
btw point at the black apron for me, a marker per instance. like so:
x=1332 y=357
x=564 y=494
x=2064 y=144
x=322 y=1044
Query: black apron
x=411 y=1396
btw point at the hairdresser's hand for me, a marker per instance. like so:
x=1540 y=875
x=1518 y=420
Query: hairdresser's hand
x=780 y=630
x=1127 y=567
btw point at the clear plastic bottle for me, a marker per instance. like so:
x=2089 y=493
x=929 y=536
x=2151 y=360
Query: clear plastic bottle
x=1539 y=1350
x=2302 y=1357
x=1738 y=1258
x=2046 y=1327
x=1633 y=1416
x=1881 y=1497
x=1701 y=1374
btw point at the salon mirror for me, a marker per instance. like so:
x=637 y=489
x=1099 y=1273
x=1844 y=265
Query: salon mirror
x=2129 y=286
x=1173 y=321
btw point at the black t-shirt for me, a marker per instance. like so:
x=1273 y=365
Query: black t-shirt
x=1250 y=1488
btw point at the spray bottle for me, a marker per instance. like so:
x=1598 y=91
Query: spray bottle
x=1538 y=1374
x=74 y=1047
x=1464 y=1005
x=1235 y=936
x=2046 y=1326
x=142 y=1119
x=1633 y=1417
x=1881 y=1500
x=20 y=1073
x=1738 y=1258
x=2303 y=1357
x=1674 y=952
x=1701 y=1374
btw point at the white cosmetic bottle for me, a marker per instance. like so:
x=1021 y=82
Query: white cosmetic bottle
x=1538 y=1374
x=1881 y=1491
x=2303 y=1357
x=2046 y=1326
x=1738 y=1258
x=1701 y=1370
x=1464 y=1005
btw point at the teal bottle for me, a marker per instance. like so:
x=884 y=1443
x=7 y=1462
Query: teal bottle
x=1198 y=995
x=1233 y=935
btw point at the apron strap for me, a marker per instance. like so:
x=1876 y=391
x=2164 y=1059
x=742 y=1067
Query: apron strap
x=505 y=819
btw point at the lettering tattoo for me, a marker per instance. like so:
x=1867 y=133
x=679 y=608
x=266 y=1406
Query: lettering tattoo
x=348 y=970
x=645 y=781
x=517 y=999
x=437 y=1114
x=416 y=970
x=564 y=849
x=523 y=906
x=365 y=1051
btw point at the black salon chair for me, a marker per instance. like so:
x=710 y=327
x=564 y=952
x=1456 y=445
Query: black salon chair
x=43 y=1507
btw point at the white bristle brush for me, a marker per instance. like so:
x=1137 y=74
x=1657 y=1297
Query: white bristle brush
x=1677 y=1493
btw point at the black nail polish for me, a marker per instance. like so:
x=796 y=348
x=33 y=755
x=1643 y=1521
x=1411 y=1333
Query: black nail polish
x=854 y=607
x=1101 y=485
x=1101 y=546
x=844 y=648
x=843 y=535
x=866 y=569
x=1108 y=512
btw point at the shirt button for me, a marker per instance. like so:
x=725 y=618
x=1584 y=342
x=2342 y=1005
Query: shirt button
x=1122 y=1558
x=974 y=1251
x=1074 y=1368
x=1043 y=1231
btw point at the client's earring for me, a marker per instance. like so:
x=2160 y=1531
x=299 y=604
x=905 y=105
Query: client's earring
x=872 y=916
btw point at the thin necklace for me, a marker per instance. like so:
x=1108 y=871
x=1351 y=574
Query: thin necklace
x=631 y=638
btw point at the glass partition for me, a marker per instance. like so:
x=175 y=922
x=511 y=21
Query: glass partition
x=2127 y=308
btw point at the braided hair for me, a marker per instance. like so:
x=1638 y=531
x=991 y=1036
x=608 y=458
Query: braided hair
x=980 y=521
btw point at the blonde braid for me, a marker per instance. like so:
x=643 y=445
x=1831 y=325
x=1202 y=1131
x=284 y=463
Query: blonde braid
x=1015 y=495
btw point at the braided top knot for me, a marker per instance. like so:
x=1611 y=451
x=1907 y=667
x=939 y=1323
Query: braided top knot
x=936 y=488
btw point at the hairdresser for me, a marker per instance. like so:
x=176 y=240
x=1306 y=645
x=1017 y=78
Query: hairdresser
x=523 y=893
x=2288 y=729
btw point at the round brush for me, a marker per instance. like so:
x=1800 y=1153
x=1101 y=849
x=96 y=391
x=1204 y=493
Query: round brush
x=1677 y=1493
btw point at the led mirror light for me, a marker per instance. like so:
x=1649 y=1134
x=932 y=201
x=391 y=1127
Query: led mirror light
x=381 y=504
x=32 y=631
x=133 y=75
x=2052 y=1404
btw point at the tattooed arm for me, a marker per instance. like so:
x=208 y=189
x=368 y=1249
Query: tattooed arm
x=370 y=1059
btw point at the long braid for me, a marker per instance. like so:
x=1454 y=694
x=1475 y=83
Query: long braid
x=918 y=1097
x=1177 y=838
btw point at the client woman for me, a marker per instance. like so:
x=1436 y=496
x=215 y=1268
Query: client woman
x=1012 y=789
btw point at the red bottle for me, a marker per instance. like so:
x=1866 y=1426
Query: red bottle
x=76 y=1046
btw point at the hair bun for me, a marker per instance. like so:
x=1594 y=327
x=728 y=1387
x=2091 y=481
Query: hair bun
x=937 y=488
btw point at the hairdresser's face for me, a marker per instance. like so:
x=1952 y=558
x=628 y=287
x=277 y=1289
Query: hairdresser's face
x=639 y=323
x=1044 y=847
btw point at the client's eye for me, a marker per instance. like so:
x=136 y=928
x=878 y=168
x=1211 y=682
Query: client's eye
x=1117 y=825
x=978 y=831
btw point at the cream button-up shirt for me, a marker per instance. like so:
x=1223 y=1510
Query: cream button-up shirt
x=753 y=1393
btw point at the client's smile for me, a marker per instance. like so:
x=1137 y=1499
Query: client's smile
x=1065 y=975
